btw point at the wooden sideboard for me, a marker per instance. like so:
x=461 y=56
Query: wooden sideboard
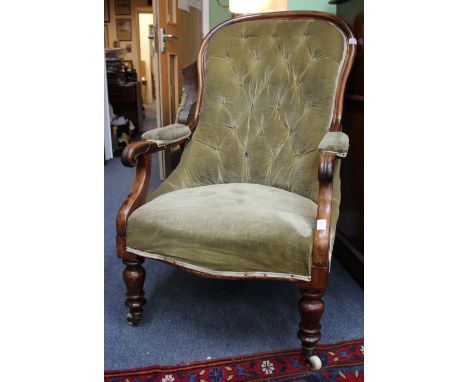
x=126 y=101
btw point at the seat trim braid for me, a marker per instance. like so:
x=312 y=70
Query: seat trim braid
x=219 y=274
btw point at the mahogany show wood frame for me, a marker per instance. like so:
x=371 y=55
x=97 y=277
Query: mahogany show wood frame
x=138 y=154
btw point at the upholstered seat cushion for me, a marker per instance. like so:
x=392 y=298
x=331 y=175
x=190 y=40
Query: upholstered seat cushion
x=233 y=228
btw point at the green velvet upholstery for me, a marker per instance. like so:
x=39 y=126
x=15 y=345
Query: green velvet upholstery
x=182 y=103
x=335 y=142
x=234 y=227
x=166 y=134
x=268 y=99
x=269 y=90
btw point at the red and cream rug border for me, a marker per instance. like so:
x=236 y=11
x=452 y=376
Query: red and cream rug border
x=342 y=361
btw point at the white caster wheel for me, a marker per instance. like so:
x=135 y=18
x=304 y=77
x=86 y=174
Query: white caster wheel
x=133 y=319
x=315 y=362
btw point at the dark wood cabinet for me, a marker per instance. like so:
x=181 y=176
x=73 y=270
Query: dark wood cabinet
x=126 y=101
x=349 y=243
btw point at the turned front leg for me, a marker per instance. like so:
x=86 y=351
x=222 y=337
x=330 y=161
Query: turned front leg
x=311 y=308
x=134 y=277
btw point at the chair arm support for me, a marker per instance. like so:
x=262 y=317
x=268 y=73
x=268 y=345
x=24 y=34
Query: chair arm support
x=137 y=154
x=322 y=229
x=137 y=195
x=135 y=150
x=326 y=167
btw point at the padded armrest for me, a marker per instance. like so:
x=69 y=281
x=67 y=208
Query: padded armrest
x=167 y=134
x=336 y=143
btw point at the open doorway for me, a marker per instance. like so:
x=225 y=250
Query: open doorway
x=147 y=75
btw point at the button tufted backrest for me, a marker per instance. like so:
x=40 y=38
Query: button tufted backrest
x=268 y=98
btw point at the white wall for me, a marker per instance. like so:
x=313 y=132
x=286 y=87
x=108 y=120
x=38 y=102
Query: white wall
x=107 y=128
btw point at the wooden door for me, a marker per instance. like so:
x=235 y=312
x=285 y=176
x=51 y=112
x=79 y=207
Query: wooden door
x=178 y=36
x=179 y=39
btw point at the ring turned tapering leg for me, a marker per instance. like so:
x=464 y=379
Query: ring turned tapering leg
x=311 y=308
x=134 y=277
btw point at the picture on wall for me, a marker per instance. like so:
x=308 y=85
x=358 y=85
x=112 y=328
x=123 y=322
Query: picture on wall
x=124 y=29
x=122 y=7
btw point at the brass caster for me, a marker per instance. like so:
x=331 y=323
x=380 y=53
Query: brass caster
x=133 y=319
x=315 y=362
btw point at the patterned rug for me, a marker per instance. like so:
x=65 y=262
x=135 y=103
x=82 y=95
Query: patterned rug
x=343 y=361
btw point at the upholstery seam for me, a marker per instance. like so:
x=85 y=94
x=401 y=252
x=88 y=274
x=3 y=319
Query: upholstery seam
x=285 y=276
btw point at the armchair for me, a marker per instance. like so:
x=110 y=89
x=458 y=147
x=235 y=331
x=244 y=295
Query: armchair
x=256 y=193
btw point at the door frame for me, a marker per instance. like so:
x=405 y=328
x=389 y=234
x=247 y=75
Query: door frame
x=205 y=17
x=163 y=155
x=156 y=71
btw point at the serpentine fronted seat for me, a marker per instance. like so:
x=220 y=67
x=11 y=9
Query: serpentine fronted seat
x=233 y=228
x=257 y=191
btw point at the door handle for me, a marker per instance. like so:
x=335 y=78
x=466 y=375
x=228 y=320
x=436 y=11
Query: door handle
x=169 y=37
x=165 y=37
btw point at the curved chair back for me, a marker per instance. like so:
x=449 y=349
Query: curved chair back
x=271 y=86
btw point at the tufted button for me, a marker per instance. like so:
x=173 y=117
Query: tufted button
x=232 y=125
x=222 y=101
x=246 y=154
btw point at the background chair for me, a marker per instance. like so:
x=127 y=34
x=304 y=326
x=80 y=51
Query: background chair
x=256 y=194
